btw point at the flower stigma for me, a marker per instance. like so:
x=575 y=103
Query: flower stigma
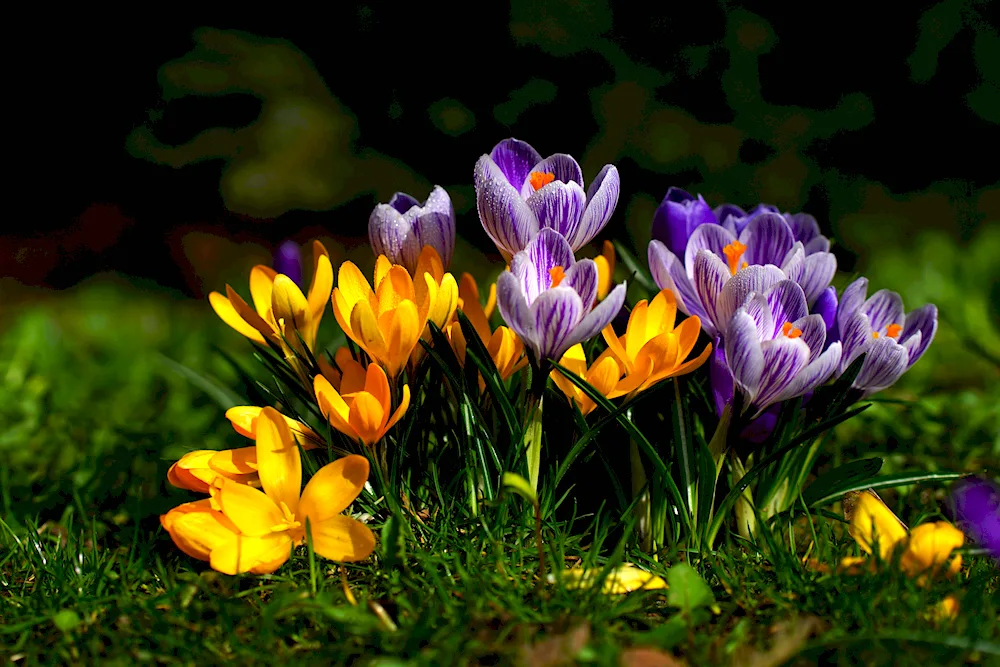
x=557 y=274
x=734 y=252
x=540 y=179
x=789 y=330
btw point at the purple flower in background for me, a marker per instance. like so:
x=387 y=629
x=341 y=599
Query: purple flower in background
x=288 y=260
x=877 y=326
x=678 y=215
x=977 y=506
x=548 y=297
x=400 y=229
x=714 y=256
x=518 y=193
x=774 y=349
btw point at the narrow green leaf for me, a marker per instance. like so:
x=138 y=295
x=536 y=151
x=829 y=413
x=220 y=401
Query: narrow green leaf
x=834 y=482
x=886 y=482
x=225 y=397
x=520 y=486
x=637 y=268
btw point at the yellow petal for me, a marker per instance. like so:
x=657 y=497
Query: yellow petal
x=696 y=363
x=197 y=529
x=367 y=417
x=604 y=375
x=662 y=312
x=353 y=286
x=687 y=335
x=930 y=546
x=253 y=512
x=342 y=538
x=635 y=334
x=291 y=310
x=445 y=302
x=382 y=266
x=229 y=462
x=429 y=262
x=396 y=286
x=353 y=375
x=377 y=384
x=333 y=488
x=279 y=464
x=617 y=348
x=261 y=282
x=468 y=292
x=366 y=330
x=623 y=579
x=244 y=420
x=224 y=309
x=871 y=521
x=249 y=315
x=322 y=281
x=605 y=270
x=191 y=471
x=425 y=292
x=404 y=402
x=242 y=553
x=332 y=406
x=329 y=371
x=491 y=301
x=403 y=332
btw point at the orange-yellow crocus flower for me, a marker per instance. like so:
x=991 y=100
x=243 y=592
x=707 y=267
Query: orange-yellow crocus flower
x=604 y=375
x=652 y=348
x=503 y=345
x=605 y=270
x=362 y=406
x=388 y=321
x=281 y=312
x=242 y=529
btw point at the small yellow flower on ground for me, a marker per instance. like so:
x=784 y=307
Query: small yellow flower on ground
x=361 y=407
x=623 y=579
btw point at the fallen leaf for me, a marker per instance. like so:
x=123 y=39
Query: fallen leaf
x=648 y=657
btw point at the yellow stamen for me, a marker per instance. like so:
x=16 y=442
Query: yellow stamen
x=734 y=252
x=288 y=520
x=557 y=274
x=893 y=330
x=540 y=179
x=789 y=330
x=874 y=334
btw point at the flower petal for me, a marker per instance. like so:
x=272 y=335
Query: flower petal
x=279 y=464
x=669 y=273
x=818 y=271
x=677 y=216
x=751 y=279
x=813 y=333
x=923 y=320
x=505 y=215
x=813 y=375
x=883 y=308
x=582 y=278
x=872 y=523
x=224 y=309
x=556 y=313
x=600 y=316
x=826 y=306
x=886 y=362
x=333 y=488
x=242 y=553
x=404 y=403
x=197 y=529
x=558 y=206
x=710 y=277
x=291 y=310
x=744 y=354
x=602 y=198
x=514 y=307
x=514 y=159
x=788 y=304
x=784 y=359
x=332 y=406
x=850 y=303
x=767 y=238
x=564 y=168
x=712 y=238
x=253 y=512
x=342 y=539
x=366 y=417
x=261 y=282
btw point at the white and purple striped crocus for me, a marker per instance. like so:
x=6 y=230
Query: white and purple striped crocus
x=548 y=298
x=877 y=326
x=774 y=349
x=400 y=229
x=714 y=255
x=518 y=193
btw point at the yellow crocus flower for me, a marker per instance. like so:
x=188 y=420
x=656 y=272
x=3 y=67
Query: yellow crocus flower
x=361 y=408
x=623 y=579
x=388 y=321
x=605 y=270
x=242 y=529
x=503 y=345
x=280 y=309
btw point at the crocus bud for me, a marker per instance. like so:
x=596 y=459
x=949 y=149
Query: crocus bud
x=400 y=229
x=288 y=260
x=677 y=217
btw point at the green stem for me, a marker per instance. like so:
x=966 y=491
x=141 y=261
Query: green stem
x=640 y=489
x=533 y=429
x=746 y=521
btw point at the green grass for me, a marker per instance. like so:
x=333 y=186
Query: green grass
x=95 y=405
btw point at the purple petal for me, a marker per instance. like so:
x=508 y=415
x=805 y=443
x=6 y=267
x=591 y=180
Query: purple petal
x=794 y=262
x=549 y=249
x=759 y=309
x=787 y=302
x=816 y=373
x=505 y=216
x=669 y=273
x=515 y=159
x=678 y=215
x=560 y=165
x=813 y=333
x=708 y=237
x=556 y=313
x=804 y=226
x=403 y=202
x=856 y=337
x=925 y=321
x=818 y=271
x=390 y=233
x=582 y=278
x=767 y=238
x=883 y=308
x=818 y=244
x=514 y=307
x=912 y=344
x=851 y=301
x=744 y=354
x=751 y=279
x=826 y=306
x=727 y=214
x=436 y=230
x=600 y=316
x=720 y=377
x=885 y=363
x=602 y=198
x=710 y=276
x=558 y=206
x=784 y=359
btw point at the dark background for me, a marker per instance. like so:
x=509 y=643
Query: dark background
x=821 y=114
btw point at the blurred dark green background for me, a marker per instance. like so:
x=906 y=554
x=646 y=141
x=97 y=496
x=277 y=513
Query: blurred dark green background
x=165 y=158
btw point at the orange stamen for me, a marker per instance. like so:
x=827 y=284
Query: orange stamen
x=734 y=252
x=557 y=274
x=893 y=330
x=540 y=179
x=874 y=334
x=789 y=330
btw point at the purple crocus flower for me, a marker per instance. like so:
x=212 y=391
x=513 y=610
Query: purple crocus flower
x=678 y=215
x=548 y=298
x=877 y=326
x=714 y=256
x=288 y=260
x=774 y=349
x=804 y=226
x=977 y=505
x=400 y=229
x=518 y=193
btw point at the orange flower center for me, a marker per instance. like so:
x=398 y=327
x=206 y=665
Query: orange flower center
x=734 y=252
x=540 y=179
x=892 y=331
x=557 y=274
x=789 y=330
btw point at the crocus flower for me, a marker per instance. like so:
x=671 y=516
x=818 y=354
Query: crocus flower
x=603 y=375
x=518 y=193
x=400 y=229
x=877 y=326
x=288 y=261
x=548 y=298
x=623 y=579
x=361 y=408
x=388 y=321
x=242 y=529
x=505 y=348
x=281 y=313
x=803 y=226
x=676 y=218
x=714 y=255
x=605 y=270
x=977 y=505
x=774 y=348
